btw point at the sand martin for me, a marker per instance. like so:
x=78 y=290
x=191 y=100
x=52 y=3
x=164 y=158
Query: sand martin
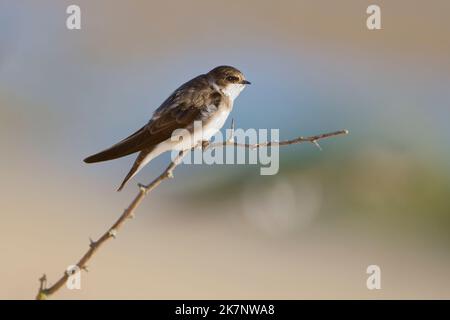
x=207 y=98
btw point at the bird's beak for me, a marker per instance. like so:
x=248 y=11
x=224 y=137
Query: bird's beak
x=245 y=82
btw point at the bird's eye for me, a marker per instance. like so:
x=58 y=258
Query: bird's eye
x=232 y=79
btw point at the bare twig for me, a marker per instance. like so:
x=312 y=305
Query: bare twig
x=312 y=139
x=45 y=292
x=112 y=231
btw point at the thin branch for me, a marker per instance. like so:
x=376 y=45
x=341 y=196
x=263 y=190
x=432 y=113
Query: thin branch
x=312 y=139
x=94 y=246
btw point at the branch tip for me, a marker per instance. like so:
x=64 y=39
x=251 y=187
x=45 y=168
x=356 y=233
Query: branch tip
x=91 y=243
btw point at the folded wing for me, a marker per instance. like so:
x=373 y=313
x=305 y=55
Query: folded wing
x=191 y=102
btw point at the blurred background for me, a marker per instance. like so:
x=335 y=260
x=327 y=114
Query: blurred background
x=377 y=196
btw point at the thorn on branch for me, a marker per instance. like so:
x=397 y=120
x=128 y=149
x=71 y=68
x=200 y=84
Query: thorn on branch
x=231 y=137
x=45 y=292
x=142 y=187
x=130 y=216
x=43 y=282
x=71 y=272
x=112 y=233
x=42 y=293
x=169 y=174
x=92 y=243
x=205 y=144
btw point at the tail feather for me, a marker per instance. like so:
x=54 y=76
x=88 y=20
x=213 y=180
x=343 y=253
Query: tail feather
x=108 y=154
x=142 y=159
x=129 y=145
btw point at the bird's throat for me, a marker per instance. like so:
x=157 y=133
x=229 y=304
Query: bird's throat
x=232 y=91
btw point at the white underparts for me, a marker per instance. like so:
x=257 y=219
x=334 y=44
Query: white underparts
x=232 y=90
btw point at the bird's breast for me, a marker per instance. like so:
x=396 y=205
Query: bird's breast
x=212 y=125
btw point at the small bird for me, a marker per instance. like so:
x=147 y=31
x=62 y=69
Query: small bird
x=207 y=98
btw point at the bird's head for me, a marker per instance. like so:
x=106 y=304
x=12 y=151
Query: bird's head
x=230 y=81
